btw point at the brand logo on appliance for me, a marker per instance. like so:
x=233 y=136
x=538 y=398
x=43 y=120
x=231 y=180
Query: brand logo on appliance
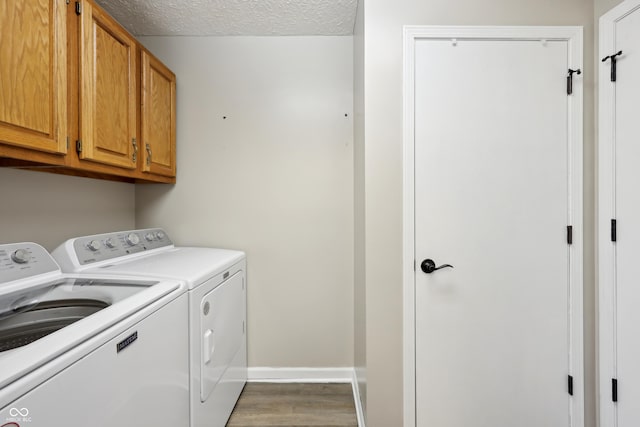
x=126 y=342
x=14 y=412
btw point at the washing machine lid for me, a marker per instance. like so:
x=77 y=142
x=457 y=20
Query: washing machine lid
x=121 y=297
x=194 y=265
x=104 y=291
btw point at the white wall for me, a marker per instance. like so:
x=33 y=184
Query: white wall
x=603 y=6
x=383 y=21
x=48 y=208
x=275 y=179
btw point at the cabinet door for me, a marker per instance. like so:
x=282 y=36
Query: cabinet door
x=107 y=90
x=158 y=117
x=33 y=74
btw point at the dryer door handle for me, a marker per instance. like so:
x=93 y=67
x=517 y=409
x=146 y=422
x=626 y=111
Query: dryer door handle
x=208 y=345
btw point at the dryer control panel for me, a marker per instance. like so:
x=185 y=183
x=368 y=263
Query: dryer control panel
x=103 y=247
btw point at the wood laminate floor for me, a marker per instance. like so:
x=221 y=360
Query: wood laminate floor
x=294 y=405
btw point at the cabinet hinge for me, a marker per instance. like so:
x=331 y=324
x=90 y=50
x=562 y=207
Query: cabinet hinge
x=78 y=8
x=68 y=1
x=79 y=146
x=614 y=389
x=570 y=80
x=570 y=385
x=614 y=230
x=569 y=234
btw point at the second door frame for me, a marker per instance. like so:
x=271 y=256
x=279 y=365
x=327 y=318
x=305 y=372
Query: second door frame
x=606 y=210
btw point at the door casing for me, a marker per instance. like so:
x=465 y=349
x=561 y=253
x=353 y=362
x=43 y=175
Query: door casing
x=573 y=36
x=606 y=256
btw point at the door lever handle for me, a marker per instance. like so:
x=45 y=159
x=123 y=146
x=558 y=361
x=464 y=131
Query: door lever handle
x=429 y=266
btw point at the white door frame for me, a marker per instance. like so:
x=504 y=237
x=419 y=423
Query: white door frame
x=573 y=35
x=606 y=211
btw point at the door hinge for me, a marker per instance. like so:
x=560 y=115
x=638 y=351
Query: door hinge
x=570 y=234
x=614 y=389
x=68 y=1
x=68 y=143
x=570 y=80
x=570 y=385
x=78 y=8
x=614 y=230
x=79 y=146
x=614 y=59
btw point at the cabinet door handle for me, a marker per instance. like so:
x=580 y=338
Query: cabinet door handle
x=148 y=154
x=134 y=157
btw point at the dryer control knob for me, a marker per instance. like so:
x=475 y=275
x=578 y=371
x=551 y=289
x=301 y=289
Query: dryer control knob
x=160 y=235
x=132 y=239
x=149 y=237
x=93 y=245
x=110 y=243
x=21 y=256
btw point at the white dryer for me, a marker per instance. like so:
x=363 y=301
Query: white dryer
x=216 y=281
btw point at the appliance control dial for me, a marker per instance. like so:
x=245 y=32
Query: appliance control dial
x=132 y=239
x=21 y=256
x=160 y=235
x=93 y=245
x=149 y=237
x=109 y=243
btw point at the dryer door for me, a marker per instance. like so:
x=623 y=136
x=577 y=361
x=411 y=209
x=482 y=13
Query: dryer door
x=221 y=331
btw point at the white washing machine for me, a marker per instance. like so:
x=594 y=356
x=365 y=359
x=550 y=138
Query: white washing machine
x=88 y=350
x=217 y=306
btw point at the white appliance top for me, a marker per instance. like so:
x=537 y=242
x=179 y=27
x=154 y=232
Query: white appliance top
x=29 y=276
x=195 y=265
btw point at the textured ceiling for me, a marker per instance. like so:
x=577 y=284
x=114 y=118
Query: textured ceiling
x=234 y=17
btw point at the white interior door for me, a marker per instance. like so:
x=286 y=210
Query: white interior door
x=495 y=177
x=619 y=200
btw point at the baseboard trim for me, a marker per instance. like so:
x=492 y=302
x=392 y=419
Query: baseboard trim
x=310 y=375
x=300 y=375
x=356 y=399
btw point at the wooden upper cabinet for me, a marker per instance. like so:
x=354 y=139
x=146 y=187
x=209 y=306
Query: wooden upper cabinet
x=107 y=90
x=70 y=75
x=33 y=74
x=158 y=118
